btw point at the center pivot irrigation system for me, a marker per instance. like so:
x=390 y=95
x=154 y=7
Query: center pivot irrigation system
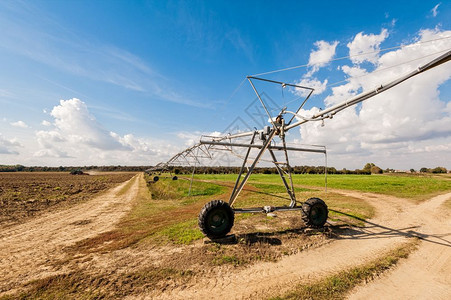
x=217 y=217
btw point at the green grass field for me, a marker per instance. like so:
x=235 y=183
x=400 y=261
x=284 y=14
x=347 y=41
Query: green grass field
x=415 y=187
x=171 y=197
x=171 y=214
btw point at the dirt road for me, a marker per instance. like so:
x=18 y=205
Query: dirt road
x=27 y=251
x=396 y=219
x=427 y=272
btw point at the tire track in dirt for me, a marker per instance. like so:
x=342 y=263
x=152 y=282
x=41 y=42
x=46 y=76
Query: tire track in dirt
x=427 y=272
x=28 y=250
x=394 y=221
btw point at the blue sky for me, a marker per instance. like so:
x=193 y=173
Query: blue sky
x=152 y=76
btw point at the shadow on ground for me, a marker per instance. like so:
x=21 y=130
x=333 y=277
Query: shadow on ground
x=371 y=230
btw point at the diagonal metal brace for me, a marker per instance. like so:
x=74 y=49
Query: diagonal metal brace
x=265 y=146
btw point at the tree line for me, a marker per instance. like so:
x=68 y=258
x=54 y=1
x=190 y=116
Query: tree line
x=265 y=170
x=20 y=168
x=435 y=170
x=369 y=168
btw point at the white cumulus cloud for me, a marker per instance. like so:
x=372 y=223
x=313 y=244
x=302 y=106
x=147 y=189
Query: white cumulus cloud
x=76 y=137
x=318 y=58
x=314 y=83
x=77 y=125
x=406 y=123
x=8 y=146
x=55 y=153
x=20 y=124
x=366 y=43
x=322 y=56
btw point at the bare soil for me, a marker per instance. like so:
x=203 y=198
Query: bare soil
x=427 y=272
x=27 y=194
x=30 y=250
x=37 y=251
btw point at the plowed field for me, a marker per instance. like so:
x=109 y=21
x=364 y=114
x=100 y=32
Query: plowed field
x=24 y=195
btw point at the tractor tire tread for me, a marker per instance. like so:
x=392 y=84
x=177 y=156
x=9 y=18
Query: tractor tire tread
x=306 y=206
x=203 y=215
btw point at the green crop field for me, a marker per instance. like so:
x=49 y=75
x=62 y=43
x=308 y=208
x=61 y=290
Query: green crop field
x=415 y=187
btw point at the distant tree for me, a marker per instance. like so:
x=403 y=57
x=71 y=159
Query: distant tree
x=423 y=170
x=332 y=170
x=412 y=170
x=346 y=171
x=376 y=170
x=368 y=167
x=439 y=170
x=362 y=172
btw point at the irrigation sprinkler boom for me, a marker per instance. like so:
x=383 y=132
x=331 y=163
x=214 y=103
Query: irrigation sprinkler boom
x=217 y=217
x=189 y=157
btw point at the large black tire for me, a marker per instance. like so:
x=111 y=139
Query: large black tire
x=314 y=212
x=156 y=178
x=216 y=219
x=175 y=178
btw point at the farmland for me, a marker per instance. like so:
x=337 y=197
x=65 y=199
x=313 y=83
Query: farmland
x=416 y=187
x=23 y=195
x=140 y=238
